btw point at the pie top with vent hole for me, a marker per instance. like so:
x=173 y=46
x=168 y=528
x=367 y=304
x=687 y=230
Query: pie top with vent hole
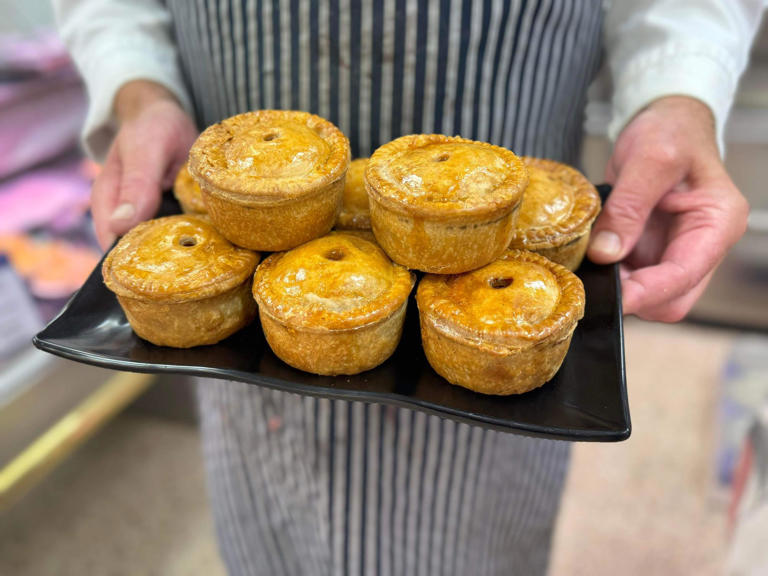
x=517 y=300
x=437 y=176
x=176 y=258
x=338 y=282
x=269 y=156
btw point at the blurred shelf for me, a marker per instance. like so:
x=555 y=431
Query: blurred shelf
x=48 y=407
x=22 y=371
x=31 y=449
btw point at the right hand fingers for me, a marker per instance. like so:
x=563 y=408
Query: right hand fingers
x=104 y=197
x=140 y=186
x=641 y=181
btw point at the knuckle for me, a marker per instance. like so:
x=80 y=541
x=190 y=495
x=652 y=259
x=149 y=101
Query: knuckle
x=664 y=153
x=685 y=284
x=627 y=208
x=134 y=185
x=674 y=313
x=738 y=217
x=669 y=314
x=686 y=279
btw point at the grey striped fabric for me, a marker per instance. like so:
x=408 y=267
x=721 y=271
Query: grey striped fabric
x=511 y=73
x=311 y=486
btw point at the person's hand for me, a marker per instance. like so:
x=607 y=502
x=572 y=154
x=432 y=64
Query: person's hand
x=673 y=212
x=151 y=144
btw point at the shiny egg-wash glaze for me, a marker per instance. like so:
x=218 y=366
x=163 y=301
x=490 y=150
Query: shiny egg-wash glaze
x=187 y=324
x=335 y=305
x=355 y=212
x=180 y=282
x=444 y=204
x=556 y=216
x=271 y=179
x=188 y=193
x=503 y=329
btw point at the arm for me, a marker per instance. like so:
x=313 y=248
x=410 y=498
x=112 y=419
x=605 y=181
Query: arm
x=138 y=121
x=674 y=211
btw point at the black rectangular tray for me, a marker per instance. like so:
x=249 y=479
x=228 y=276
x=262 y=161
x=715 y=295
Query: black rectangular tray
x=586 y=400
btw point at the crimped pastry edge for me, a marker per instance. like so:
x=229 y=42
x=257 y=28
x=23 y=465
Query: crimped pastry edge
x=263 y=191
x=569 y=310
x=191 y=201
x=377 y=186
x=514 y=371
x=214 y=288
x=396 y=296
x=578 y=223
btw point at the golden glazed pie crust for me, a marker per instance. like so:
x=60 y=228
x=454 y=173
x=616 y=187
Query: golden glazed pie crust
x=334 y=352
x=187 y=192
x=271 y=179
x=355 y=212
x=503 y=329
x=188 y=324
x=180 y=282
x=365 y=234
x=335 y=305
x=556 y=216
x=444 y=204
x=270 y=156
x=280 y=227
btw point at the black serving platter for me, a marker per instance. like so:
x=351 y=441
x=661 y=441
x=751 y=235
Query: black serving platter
x=586 y=400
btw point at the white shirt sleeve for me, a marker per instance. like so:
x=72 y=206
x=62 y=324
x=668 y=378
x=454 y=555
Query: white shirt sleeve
x=113 y=43
x=696 y=48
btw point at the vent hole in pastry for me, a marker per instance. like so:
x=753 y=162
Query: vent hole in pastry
x=499 y=282
x=441 y=158
x=188 y=241
x=270 y=136
x=334 y=254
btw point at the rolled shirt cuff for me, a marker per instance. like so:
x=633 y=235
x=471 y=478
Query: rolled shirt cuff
x=704 y=73
x=112 y=66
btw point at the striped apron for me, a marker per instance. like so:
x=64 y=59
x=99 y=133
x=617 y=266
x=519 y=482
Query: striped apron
x=312 y=486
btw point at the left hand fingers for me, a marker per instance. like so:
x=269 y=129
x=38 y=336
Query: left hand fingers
x=708 y=223
x=685 y=263
x=675 y=310
x=643 y=180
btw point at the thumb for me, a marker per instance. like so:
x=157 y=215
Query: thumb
x=139 y=192
x=641 y=182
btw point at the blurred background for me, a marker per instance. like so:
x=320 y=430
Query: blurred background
x=101 y=472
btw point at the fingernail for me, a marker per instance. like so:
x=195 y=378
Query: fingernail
x=607 y=243
x=123 y=212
